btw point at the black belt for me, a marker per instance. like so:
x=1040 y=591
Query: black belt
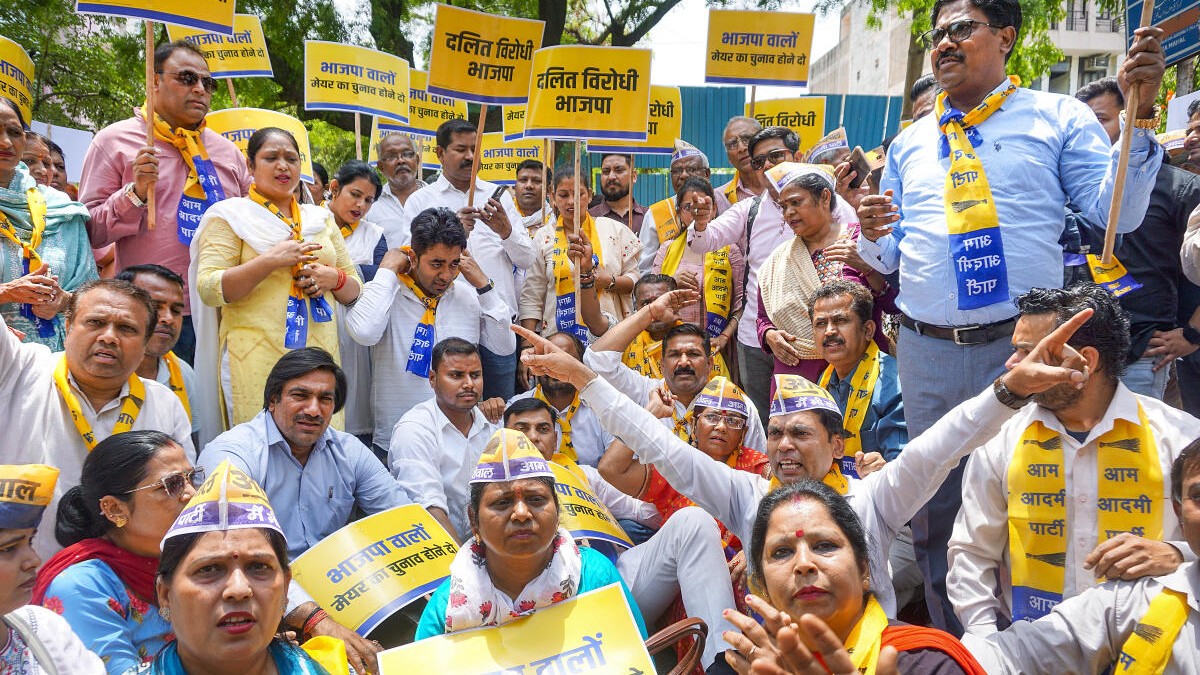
x=978 y=334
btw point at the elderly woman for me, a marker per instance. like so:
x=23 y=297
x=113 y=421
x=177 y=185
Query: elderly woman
x=519 y=559
x=132 y=487
x=35 y=640
x=273 y=267
x=222 y=580
x=44 y=249
x=808 y=556
x=823 y=249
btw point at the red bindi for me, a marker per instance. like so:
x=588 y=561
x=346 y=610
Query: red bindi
x=799 y=534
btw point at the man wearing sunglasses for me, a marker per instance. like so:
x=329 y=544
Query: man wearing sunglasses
x=188 y=166
x=972 y=212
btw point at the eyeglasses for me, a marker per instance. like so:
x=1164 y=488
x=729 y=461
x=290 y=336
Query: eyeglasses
x=174 y=483
x=394 y=157
x=743 y=139
x=757 y=162
x=730 y=421
x=957 y=32
x=189 y=79
x=687 y=171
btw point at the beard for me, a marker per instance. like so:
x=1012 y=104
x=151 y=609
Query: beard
x=614 y=192
x=550 y=385
x=1058 y=397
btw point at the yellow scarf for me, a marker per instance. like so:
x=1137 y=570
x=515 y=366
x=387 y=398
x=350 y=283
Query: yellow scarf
x=1147 y=651
x=862 y=387
x=718 y=283
x=567 y=446
x=666 y=221
x=866 y=639
x=1130 y=488
x=131 y=404
x=348 y=230
x=564 y=280
x=175 y=381
x=37 y=216
x=571 y=465
x=202 y=187
x=420 y=353
x=977 y=252
x=731 y=192
x=833 y=479
x=644 y=355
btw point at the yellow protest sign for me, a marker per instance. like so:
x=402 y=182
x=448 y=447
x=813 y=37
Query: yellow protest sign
x=581 y=513
x=208 y=15
x=593 y=632
x=804 y=115
x=665 y=125
x=514 y=122
x=242 y=54
x=372 y=567
x=239 y=124
x=354 y=79
x=427 y=111
x=423 y=142
x=499 y=158
x=579 y=91
x=16 y=76
x=481 y=57
x=747 y=47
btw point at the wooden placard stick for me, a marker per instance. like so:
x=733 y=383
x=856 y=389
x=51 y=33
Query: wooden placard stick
x=575 y=228
x=753 y=95
x=150 y=115
x=1131 y=106
x=483 y=109
x=232 y=93
x=358 y=136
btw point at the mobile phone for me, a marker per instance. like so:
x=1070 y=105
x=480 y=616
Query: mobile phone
x=499 y=192
x=860 y=166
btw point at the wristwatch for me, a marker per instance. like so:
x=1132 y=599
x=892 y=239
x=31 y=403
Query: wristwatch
x=131 y=195
x=1005 y=395
x=484 y=289
x=1191 y=335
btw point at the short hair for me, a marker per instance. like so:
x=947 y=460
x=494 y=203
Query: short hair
x=923 y=84
x=695 y=184
x=437 y=225
x=840 y=512
x=1193 y=108
x=16 y=109
x=1100 y=87
x=1186 y=464
x=258 y=138
x=531 y=164
x=688 y=330
x=451 y=346
x=1107 y=330
x=815 y=186
x=354 y=170
x=627 y=157
x=647 y=279
x=861 y=301
x=1002 y=13
x=529 y=404
x=321 y=172
x=447 y=129
x=298 y=363
x=580 y=348
x=791 y=140
x=166 y=274
x=120 y=287
x=742 y=118
x=165 y=50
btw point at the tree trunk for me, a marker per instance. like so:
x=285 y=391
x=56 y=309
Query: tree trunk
x=1185 y=76
x=917 y=57
x=554 y=13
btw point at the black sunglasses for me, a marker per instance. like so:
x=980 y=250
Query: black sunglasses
x=956 y=31
x=757 y=162
x=189 y=79
x=174 y=483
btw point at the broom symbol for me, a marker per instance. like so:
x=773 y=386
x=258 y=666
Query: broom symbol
x=959 y=207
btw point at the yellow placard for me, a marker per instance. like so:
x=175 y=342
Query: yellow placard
x=426 y=110
x=355 y=79
x=579 y=91
x=747 y=47
x=239 y=124
x=665 y=125
x=208 y=15
x=372 y=567
x=499 y=158
x=422 y=141
x=514 y=122
x=581 y=513
x=16 y=76
x=804 y=115
x=481 y=57
x=242 y=54
x=594 y=632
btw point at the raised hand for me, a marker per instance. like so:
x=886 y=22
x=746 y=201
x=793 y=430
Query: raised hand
x=1052 y=361
x=544 y=358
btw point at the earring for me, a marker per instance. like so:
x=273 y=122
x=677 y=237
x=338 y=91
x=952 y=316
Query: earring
x=165 y=613
x=119 y=521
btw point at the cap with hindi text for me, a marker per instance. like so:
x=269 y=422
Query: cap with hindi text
x=25 y=490
x=722 y=394
x=781 y=175
x=833 y=141
x=228 y=500
x=794 y=393
x=509 y=456
x=683 y=150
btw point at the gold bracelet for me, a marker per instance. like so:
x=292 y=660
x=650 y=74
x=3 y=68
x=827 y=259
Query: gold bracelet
x=1146 y=122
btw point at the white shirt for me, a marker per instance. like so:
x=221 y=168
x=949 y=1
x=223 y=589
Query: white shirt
x=884 y=501
x=355 y=358
x=386 y=316
x=621 y=505
x=638 y=387
x=163 y=377
x=433 y=461
x=388 y=213
x=1085 y=633
x=591 y=441
x=499 y=258
x=978 y=549
x=37 y=426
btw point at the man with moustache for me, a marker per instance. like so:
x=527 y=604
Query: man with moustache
x=661 y=222
x=59 y=406
x=972 y=213
x=1013 y=557
x=160 y=363
x=189 y=166
x=314 y=475
x=747 y=183
x=435 y=290
x=400 y=165
x=500 y=246
x=616 y=184
x=532 y=179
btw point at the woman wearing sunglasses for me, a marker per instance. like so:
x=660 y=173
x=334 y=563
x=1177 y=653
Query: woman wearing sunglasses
x=132 y=488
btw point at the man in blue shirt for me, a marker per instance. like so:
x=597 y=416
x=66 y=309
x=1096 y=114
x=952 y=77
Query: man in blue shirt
x=972 y=229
